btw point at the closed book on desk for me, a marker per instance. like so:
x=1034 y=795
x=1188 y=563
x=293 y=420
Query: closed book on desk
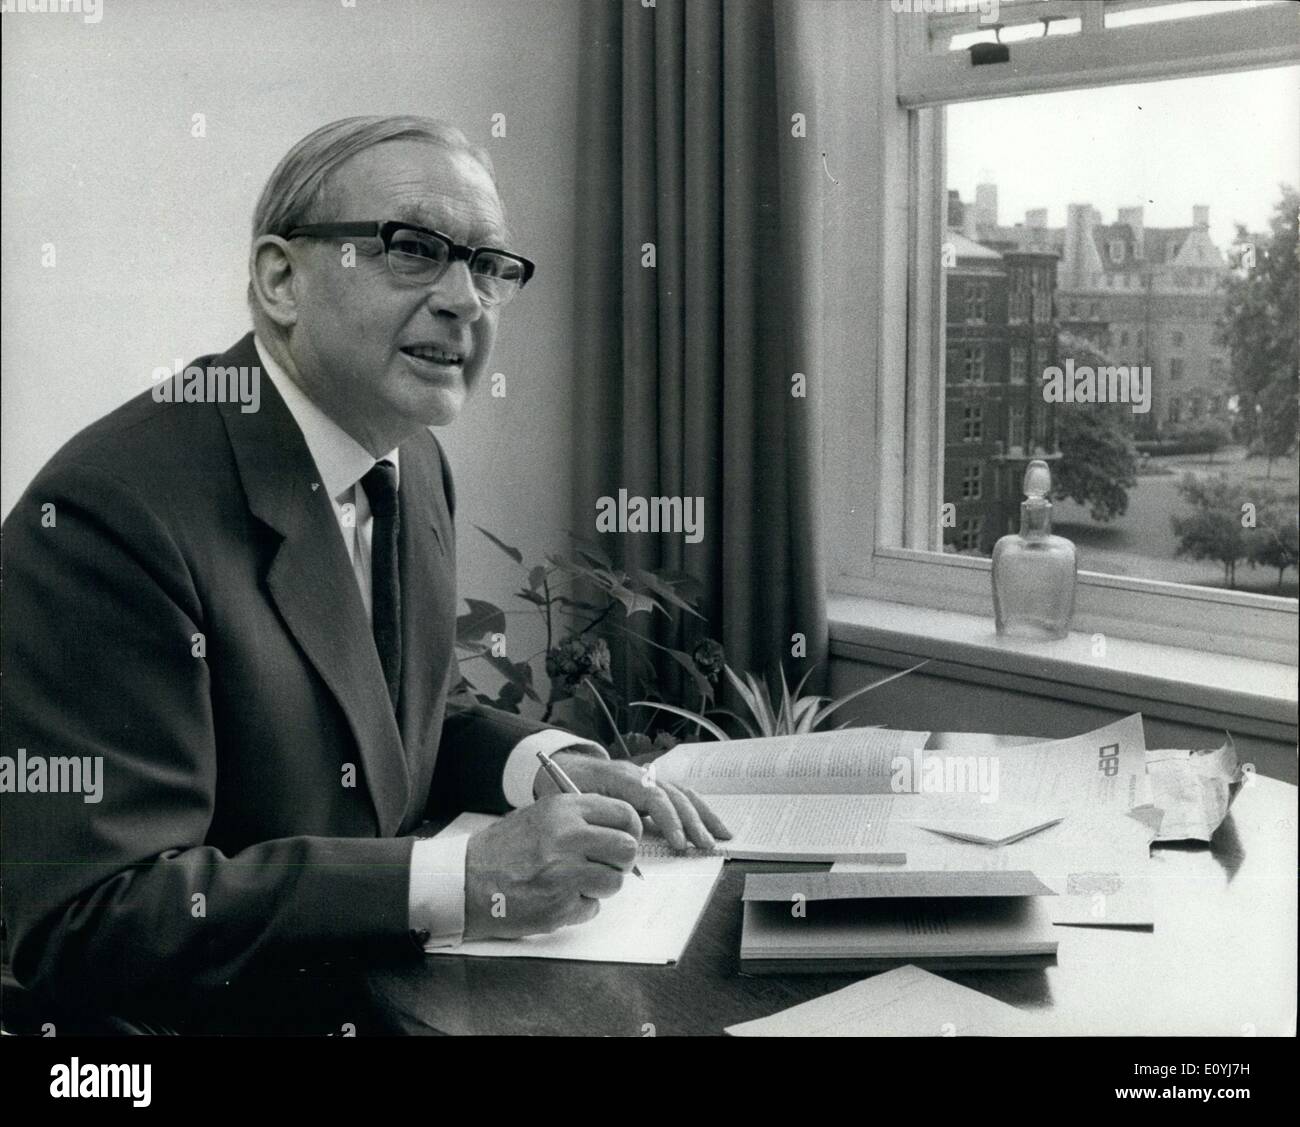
x=836 y=928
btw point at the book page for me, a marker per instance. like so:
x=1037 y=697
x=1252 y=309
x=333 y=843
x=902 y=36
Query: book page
x=847 y=761
x=813 y=827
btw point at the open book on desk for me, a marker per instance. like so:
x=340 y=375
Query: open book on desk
x=823 y=796
x=646 y=921
x=872 y=795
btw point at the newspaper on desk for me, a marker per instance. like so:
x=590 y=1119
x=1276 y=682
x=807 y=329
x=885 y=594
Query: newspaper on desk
x=1090 y=807
x=1192 y=790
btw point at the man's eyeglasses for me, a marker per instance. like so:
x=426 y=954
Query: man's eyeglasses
x=420 y=256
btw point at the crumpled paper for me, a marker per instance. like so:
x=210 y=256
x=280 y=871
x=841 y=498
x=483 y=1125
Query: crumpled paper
x=1191 y=790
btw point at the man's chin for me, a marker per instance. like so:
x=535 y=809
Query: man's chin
x=439 y=406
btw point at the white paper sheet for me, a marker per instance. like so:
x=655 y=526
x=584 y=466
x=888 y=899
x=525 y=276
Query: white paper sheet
x=647 y=921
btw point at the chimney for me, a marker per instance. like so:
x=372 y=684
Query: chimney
x=1133 y=217
x=1201 y=216
x=1079 y=257
x=955 y=209
x=986 y=205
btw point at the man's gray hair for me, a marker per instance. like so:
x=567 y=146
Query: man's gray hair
x=297 y=186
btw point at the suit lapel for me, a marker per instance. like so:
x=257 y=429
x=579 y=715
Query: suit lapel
x=312 y=583
x=428 y=592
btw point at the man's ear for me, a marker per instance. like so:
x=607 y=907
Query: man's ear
x=271 y=275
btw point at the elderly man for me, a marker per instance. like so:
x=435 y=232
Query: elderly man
x=246 y=618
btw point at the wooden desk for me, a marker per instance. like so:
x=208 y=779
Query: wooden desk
x=1221 y=960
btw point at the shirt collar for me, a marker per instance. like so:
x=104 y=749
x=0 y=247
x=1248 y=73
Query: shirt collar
x=341 y=460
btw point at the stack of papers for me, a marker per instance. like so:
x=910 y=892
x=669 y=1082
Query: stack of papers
x=849 y=920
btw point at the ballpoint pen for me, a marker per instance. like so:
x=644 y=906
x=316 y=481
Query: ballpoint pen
x=566 y=784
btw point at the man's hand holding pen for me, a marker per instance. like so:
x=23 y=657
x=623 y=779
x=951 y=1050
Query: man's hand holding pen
x=550 y=864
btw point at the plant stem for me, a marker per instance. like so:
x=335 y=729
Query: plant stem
x=598 y=619
x=617 y=734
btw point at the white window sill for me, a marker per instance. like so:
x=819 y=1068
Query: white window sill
x=1192 y=686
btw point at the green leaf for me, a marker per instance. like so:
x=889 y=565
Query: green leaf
x=514 y=553
x=516 y=672
x=825 y=712
x=633 y=602
x=708 y=725
x=578 y=604
x=665 y=591
x=482 y=618
x=688 y=663
x=745 y=726
x=592 y=551
x=805 y=713
x=785 y=722
x=766 y=718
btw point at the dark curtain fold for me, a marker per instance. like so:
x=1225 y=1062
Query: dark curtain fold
x=687 y=368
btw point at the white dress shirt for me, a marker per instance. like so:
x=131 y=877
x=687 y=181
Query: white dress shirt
x=436 y=902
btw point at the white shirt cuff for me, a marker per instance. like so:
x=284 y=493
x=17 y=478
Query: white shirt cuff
x=436 y=903
x=522 y=765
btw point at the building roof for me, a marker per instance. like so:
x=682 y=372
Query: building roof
x=968 y=248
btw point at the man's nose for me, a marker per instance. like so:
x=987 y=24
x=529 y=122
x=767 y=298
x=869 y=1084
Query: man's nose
x=454 y=294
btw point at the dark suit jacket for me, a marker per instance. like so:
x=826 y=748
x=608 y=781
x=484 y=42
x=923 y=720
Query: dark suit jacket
x=226 y=840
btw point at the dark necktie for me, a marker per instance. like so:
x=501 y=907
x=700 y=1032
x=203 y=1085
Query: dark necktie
x=380 y=485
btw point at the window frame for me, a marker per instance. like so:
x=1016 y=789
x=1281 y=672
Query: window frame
x=882 y=511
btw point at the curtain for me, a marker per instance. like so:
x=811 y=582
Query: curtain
x=698 y=376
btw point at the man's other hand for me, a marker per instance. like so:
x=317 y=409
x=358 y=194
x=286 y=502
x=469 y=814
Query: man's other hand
x=678 y=813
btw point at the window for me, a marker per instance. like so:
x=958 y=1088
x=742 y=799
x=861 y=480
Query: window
x=977 y=301
x=1117 y=250
x=968 y=536
x=1016 y=427
x=1176 y=338
x=971 y=480
x=1175 y=410
x=973 y=361
x=1123 y=338
x=1019 y=363
x=1043 y=283
x=1175 y=367
x=954 y=127
x=1018 y=302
